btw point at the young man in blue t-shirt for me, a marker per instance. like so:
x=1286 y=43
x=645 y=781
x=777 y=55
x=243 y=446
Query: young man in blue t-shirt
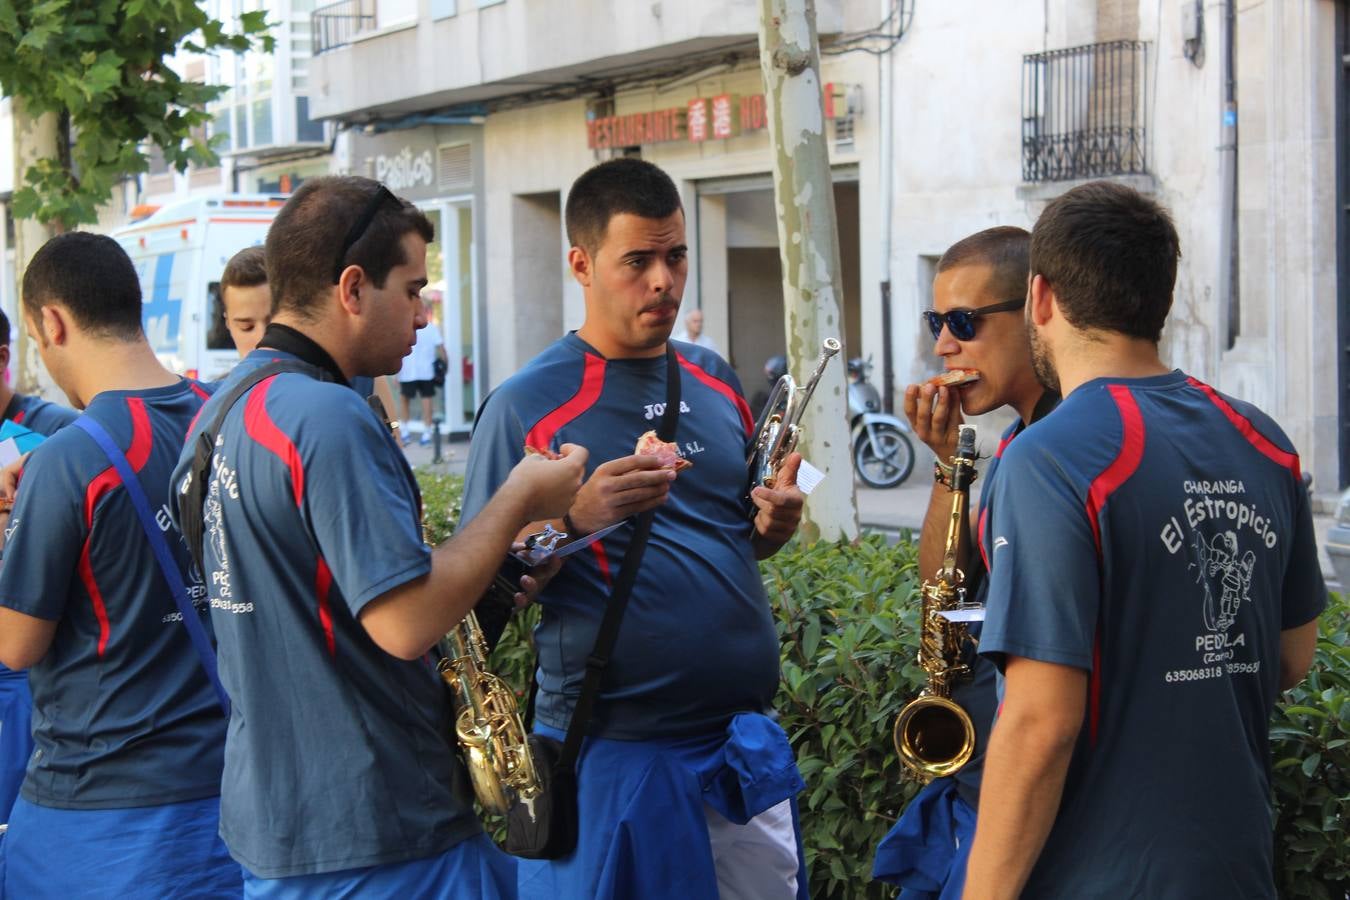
x=121 y=796
x=977 y=323
x=341 y=777
x=1154 y=585
x=16 y=703
x=695 y=666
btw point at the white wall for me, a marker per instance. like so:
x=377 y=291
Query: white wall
x=957 y=149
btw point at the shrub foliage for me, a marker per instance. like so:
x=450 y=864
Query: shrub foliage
x=847 y=617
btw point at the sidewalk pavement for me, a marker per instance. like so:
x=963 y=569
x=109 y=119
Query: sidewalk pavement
x=890 y=512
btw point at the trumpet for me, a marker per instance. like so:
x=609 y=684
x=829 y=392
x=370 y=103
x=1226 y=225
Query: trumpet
x=777 y=431
x=934 y=735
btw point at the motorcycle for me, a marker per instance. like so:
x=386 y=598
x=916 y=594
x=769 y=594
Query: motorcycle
x=883 y=455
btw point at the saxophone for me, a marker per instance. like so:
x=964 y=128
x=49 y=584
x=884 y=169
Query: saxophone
x=491 y=734
x=488 y=726
x=933 y=735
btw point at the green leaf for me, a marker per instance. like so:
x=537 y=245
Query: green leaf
x=1305 y=711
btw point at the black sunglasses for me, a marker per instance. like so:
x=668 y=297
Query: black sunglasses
x=380 y=198
x=961 y=322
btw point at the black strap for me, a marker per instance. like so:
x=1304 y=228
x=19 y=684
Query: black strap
x=623 y=586
x=302 y=347
x=194 y=487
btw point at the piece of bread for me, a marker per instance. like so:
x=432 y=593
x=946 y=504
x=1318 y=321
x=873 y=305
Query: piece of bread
x=954 y=377
x=667 y=452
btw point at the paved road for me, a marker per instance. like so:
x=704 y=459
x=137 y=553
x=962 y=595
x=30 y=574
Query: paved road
x=889 y=511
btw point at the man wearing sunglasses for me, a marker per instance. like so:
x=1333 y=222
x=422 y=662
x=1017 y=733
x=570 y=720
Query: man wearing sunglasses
x=977 y=323
x=338 y=779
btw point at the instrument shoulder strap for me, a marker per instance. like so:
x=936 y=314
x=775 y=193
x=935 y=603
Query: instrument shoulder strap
x=608 y=633
x=191 y=517
x=168 y=566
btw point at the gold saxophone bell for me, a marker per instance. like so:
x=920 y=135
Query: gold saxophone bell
x=933 y=735
x=778 y=431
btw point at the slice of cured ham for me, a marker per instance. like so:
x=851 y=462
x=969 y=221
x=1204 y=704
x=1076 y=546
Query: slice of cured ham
x=665 y=451
x=954 y=377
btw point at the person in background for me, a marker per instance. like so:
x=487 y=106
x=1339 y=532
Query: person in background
x=416 y=378
x=246 y=298
x=692 y=332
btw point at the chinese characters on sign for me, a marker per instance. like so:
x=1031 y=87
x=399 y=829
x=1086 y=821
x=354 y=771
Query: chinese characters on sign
x=701 y=119
x=722 y=123
x=698 y=119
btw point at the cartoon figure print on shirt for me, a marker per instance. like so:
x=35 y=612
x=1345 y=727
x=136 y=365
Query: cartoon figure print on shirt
x=1221 y=569
x=1221 y=527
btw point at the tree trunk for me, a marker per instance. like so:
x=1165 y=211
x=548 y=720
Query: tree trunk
x=808 y=243
x=34 y=139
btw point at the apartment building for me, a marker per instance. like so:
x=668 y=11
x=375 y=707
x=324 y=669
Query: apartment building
x=963 y=115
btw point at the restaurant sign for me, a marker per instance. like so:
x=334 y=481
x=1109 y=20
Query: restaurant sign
x=701 y=119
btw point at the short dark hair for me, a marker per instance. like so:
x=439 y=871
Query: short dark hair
x=1006 y=249
x=623 y=185
x=92 y=277
x=306 y=236
x=247 y=268
x=4 y=328
x=1110 y=254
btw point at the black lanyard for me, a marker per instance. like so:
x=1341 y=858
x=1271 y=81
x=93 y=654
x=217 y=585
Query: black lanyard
x=303 y=347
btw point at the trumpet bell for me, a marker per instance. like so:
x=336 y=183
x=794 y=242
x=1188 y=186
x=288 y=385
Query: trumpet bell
x=934 y=736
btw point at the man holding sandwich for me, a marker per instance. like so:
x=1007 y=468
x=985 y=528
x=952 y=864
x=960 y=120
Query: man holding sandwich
x=979 y=334
x=695 y=666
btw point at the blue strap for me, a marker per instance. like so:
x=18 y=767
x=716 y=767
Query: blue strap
x=167 y=564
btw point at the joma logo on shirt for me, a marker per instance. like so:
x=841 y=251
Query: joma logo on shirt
x=653 y=410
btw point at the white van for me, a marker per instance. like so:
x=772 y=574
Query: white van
x=179 y=253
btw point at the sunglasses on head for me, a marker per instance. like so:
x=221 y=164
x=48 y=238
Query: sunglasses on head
x=961 y=322
x=358 y=229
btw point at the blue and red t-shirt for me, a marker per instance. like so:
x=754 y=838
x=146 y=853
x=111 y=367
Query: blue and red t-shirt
x=39 y=415
x=124 y=715
x=338 y=755
x=1157 y=535
x=698 y=643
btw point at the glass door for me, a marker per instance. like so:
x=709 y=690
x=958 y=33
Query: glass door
x=450 y=293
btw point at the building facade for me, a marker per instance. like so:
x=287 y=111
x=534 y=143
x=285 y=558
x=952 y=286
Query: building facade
x=963 y=115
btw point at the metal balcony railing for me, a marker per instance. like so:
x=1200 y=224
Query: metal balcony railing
x=1083 y=112
x=337 y=23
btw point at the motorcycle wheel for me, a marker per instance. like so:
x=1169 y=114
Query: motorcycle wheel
x=884 y=457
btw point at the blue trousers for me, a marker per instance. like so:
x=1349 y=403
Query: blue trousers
x=471 y=870
x=643 y=830
x=16 y=736
x=143 y=853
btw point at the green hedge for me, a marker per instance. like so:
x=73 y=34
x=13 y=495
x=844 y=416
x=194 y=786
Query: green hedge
x=847 y=615
x=1310 y=743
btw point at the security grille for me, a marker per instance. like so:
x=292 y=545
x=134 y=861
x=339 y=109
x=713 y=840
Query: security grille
x=1083 y=112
